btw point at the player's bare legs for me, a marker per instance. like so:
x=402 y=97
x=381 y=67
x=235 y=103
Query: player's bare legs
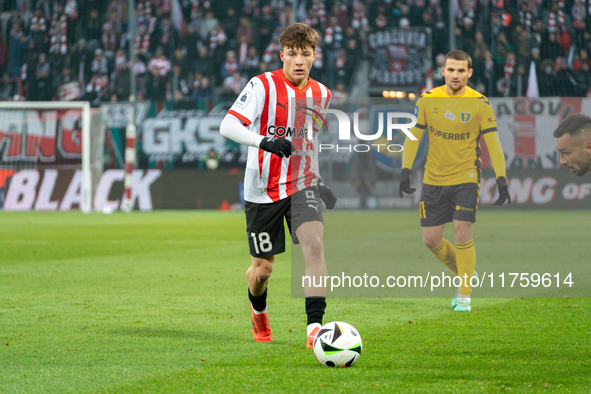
x=258 y=274
x=310 y=235
x=463 y=231
x=432 y=236
x=257 y=277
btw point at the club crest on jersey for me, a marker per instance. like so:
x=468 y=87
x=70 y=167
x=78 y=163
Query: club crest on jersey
x=450 y=116
x=243 y=100
x=465 y=116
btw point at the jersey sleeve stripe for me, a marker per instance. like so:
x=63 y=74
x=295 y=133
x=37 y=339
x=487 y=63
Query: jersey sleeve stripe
x=421 y=126
x=488 y=130
x=242 y=118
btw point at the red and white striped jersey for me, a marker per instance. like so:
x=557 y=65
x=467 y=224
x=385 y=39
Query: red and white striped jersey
x=272 y=106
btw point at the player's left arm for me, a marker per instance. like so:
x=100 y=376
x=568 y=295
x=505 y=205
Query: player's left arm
x=488 y=127
x=326 y=193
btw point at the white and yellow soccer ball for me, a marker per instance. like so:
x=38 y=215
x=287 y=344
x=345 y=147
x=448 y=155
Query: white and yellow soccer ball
x=337 y=344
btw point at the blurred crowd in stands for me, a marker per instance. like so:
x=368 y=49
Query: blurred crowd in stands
x=205 y=50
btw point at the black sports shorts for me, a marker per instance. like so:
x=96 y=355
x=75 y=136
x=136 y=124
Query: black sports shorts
x=264 y=222
x=442 y=204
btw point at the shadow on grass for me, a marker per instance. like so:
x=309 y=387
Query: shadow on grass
x=164 y=332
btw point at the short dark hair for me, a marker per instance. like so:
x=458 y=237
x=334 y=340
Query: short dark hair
x=574 y=125
x=298 y=36
x=459 y=55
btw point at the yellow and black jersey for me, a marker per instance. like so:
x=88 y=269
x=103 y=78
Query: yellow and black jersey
x=454 y=125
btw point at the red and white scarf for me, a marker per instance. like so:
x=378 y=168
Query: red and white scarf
x=97 y=84
x=311 y=21
x=59 y=30
x=509 y=68
x=41 y=22
x=214 y=36
x=320 y=9
x=552 y=21
x=160 y=64
x=319 y=57
x=359 y=20
x=142 y=44
x=525 y=19
x=381 y=21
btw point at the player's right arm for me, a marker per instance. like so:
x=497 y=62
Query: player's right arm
x=410 y=149
x=488 y=128
x=247 y=107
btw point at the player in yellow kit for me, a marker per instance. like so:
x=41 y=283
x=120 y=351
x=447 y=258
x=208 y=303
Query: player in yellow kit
x=455 y=116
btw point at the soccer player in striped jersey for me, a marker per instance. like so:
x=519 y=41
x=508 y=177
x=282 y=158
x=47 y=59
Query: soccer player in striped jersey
x=573 y=142
x=455 y=116
x=282 y=178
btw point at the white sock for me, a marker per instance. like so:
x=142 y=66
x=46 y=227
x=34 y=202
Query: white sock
x=311 y=328
x=257 y=312
x=463 y=296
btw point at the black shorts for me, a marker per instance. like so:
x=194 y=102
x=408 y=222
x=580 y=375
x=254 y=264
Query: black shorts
x=442 y=204
x=264 y=222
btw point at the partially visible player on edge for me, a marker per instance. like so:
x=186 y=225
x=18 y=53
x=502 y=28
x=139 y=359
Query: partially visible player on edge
x=451 y=183
x=282 y=173
x=573 y=142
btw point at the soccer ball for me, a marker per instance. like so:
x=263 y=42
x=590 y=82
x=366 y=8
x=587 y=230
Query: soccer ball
x=337 y=344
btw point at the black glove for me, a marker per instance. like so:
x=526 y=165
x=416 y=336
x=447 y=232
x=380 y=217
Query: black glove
x=279 y=146
x=327 y=195
x=503 y=191
x=405 y=183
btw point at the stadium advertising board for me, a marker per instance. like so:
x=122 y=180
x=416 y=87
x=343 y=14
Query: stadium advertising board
x=398 y=57
x=529 y=189
x=525 y=129
x=60 y=190
x=53 y=190
x=117 y=114
x=550 y=189
x=184 y=189
x=183 y=138
x=48 y=136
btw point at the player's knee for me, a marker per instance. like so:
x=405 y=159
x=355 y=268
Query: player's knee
x=431 y=242
x=314 y=247
x=263 y=274
x=262 y=270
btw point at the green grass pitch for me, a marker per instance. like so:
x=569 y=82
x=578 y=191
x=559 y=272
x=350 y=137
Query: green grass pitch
x=156 y=302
